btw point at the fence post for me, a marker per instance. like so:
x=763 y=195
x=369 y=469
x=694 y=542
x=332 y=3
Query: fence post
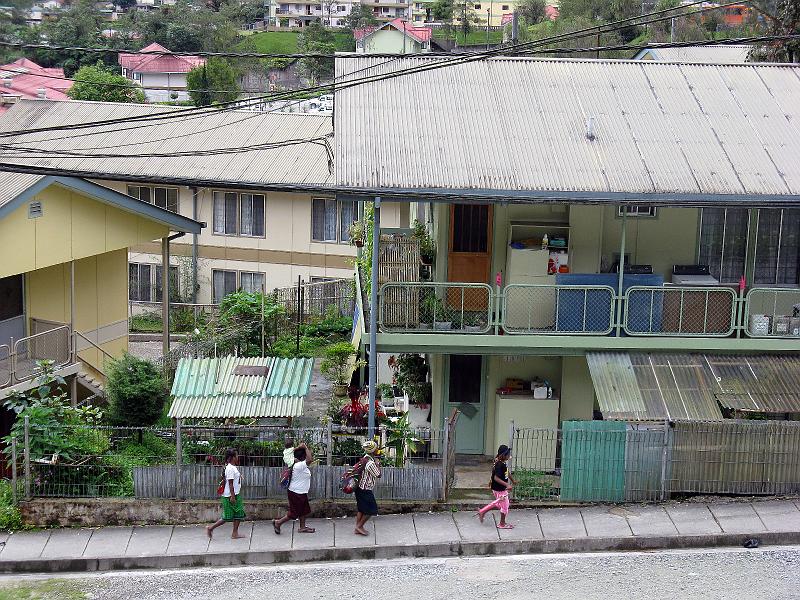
x=511 y=431
x=178 y=461
x=329 y=462
x=664 y=462
x=27 y=458
x=445 y=454
x=14 y=469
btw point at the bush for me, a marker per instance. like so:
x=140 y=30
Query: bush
x=10 y=517
x=136 y=392
x=336 y=363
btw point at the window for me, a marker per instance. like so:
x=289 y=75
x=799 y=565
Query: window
x=723 y=242
x=341 y=8
x=137 y=76
x=477 y=7
x=144 y=283
x=162 y=197
x=331 y=218
x=239 y=214
x=222 y=283
x=251 y=282
x=777 y=248
x=504 y=7
x=638 y=210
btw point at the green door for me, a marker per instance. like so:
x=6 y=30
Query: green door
x=465 y=391
x=593 y=461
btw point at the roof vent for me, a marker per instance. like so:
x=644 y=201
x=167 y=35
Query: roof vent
x=41 y=93
x=590 y=128
x=7 y=81
x=35 y=210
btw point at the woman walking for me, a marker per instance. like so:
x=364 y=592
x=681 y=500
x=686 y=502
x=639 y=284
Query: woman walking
x=367 y=471
x=299 y=485
x=501 y=484
x=232 y=503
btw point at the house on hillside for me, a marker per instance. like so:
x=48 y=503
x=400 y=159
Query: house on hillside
x=23 y=78
x=722 y=54
x=621 y=243
x=270 y=213
x=395 y=37
x=64 y=277
x=162 y=76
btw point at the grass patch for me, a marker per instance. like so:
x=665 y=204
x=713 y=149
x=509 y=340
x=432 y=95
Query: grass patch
x=274 y=42
x=51 y=589
x=532 y=485
x=474 y=38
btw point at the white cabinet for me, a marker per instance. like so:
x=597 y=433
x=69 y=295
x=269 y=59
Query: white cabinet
x=522 y=263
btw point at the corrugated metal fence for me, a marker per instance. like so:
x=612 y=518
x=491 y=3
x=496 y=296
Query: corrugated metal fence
x=615 y=462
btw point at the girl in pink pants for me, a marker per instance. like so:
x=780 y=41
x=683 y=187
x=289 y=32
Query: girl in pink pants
x=501 y=484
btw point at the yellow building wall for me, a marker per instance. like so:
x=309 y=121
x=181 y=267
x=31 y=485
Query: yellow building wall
x=577 y=390
x=72 y=226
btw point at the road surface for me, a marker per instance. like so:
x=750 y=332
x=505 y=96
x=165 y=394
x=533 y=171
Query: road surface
x=768 y=573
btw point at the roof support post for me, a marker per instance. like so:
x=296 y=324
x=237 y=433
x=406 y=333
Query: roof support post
x=373 y=316
x=165 y=299
x=621 y=277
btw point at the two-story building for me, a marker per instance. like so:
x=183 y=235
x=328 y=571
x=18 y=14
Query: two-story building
x=162 y=76
x=624 y=238
x=396 y=37
x=263 y=188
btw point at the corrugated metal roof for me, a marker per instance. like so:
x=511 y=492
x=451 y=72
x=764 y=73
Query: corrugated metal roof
x=207 y=388
x=646 y=387
x=721 y=54
x=303 y=164
x=13 y=184
x=766 y=384
x=519 y=125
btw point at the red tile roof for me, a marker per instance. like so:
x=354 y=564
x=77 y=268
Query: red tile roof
x=27 y=78
x=421 y=34
x=159 y=63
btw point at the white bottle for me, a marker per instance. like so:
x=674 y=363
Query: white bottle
x=545 y=242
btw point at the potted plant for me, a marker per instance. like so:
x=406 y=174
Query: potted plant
x=473 y=322
x=336 y=365
x=427 y=247
x=400 y=436
x=433 y=311
x=357 y=234
x=411 y=374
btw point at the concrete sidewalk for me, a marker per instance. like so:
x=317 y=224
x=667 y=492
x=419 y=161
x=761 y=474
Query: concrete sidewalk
x=595 y=528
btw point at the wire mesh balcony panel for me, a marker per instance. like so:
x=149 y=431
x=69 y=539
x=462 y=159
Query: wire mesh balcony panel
x=772 y=313
x=553 y=309
x=680 y=311
x=407 y=307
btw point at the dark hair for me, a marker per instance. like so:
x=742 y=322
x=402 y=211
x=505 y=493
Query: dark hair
x=229 y=454
x=288 y=442
x=502 y=451
x=300 y=453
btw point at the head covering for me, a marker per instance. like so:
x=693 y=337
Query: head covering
x=370 y=447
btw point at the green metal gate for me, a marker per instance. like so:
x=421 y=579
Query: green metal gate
x=593 y=461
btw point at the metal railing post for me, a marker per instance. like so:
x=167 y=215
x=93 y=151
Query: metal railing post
x=664 y=453
x=511 y=429
x=178 y=460
x=27 y=458
x=445 y=460
x=329 y=462
x=14 y=469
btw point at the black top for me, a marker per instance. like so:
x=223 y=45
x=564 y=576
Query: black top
x=500 y=471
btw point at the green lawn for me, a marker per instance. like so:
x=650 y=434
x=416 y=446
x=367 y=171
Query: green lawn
x=275 y=42
x=474 y=38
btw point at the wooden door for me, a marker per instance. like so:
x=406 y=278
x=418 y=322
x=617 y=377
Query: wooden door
x=469 y=252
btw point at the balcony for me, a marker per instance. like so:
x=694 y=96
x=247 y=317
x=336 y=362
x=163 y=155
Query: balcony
x=588 y=310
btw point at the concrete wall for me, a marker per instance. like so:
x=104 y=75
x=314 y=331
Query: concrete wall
x=577 y=390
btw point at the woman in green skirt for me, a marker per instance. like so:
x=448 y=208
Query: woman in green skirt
x=232 y=504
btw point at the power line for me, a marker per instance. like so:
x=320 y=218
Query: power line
x=460 y=59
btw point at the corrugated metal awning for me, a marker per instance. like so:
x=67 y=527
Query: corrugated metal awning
x=649 y=387
x=208 y=388
x=691 y=387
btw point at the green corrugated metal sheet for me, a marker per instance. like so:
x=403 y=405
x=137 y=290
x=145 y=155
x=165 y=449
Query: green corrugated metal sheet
x=209 y=388
x=593 y=461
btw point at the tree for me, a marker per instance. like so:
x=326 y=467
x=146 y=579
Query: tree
x=532 y=11
x=318 y=40
x=783 y=17
x=603 y=11
x=443 y=11
x=137 y=392
x=101 y=84
x=213 y=83
x=361 y=17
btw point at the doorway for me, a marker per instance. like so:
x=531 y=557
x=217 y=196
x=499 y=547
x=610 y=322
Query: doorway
x=469 y=251
x=465 y=392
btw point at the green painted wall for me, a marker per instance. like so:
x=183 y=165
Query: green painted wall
x=586 y=234
x=577 y=390
x=390 y=41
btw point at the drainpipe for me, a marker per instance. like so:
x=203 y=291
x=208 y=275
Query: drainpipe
x=165 y=294
x=373 y=316
x=73 y=387
x=195 y=211
x=621 y=270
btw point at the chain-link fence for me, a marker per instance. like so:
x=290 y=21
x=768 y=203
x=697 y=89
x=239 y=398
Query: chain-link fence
x=680 y=311
x=59 y=460
x=555 y=309
x=773 y=312
x=442 y=307
x=609 y=461
x=5 y=364
x=319 y=298
x=146 y=317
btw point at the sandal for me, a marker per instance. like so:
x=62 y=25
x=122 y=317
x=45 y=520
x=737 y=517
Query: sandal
x=506 y=526
x=275 y=527
x=306 y=530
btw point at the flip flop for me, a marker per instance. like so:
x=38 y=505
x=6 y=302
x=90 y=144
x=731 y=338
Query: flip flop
x=306 y=530
x=506 y=526
x=275 y=527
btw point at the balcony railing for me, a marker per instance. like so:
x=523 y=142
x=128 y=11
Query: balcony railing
x=654 y=311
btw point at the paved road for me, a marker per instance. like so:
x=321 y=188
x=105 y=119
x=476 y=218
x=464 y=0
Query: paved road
x=768 y=573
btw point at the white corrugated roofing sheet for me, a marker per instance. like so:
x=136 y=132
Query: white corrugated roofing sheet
x=722 y=54
x=520 y=125
x=13 y=184
x=303 y=164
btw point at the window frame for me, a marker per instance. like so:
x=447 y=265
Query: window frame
x=213 y=284
x=153 y=282
x=747 y=258
x=253 y=274
x=236 y=220
x=340 y=237
x=650 y=212
x=780 y=249
x=151 y=191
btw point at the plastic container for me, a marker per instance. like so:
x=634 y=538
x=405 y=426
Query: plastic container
x=759 y=325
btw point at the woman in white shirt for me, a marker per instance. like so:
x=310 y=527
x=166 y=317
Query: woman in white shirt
x=232 y=503
x=299 y=484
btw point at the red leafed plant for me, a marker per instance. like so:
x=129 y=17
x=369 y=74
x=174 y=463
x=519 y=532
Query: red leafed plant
x=356 y=413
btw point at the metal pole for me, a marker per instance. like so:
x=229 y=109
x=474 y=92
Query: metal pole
x=329 y=462
x=664 y=462
x=195 y=250
x=178 y=460
x=511 y=429
x=263 y=332
x=14 y=469
x=488 y=21
x=73 y=342
x=165 y=299
x=445 y=453
x=620 y=278
x=373 y=315
x=27 y=458
x=298 y=308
